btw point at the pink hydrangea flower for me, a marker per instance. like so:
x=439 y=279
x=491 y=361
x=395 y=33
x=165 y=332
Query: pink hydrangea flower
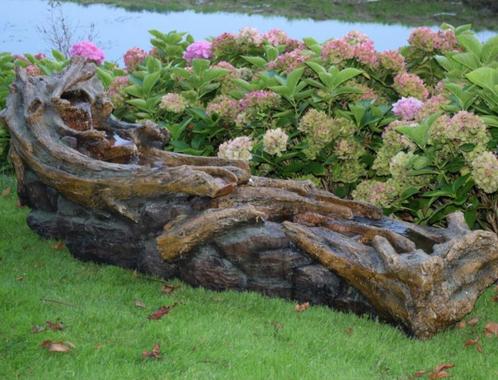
x=366 y=54
x=259 y=99
x=198 y=49
x=352 y=45
x=337 y=50
x=250 y=36
x=407 y=108
x=33 y=71
x=431 y=105
x=87 y=50
x=422 y=38
x=227 y=66
x=287 y=62
x=446 y=41
x=20 y=57
x=134 y=57
x=428 y=40
x=276 y=37
x=40 y=56
x=223 y=43
x=356 y=38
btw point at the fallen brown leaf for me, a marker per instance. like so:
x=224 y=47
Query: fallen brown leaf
x=300 y=307
x=161 y=312
x=471 y=342
x=442 y=367
x=349 y=331
x=139 y=303
x=168 y=288
x=57 y=346
x=59 y=246
x=154 y=354
x=474 y=342
x=494 y=298
x=439 y=372
x=55 y=326
x=6 y=192
x=473 y=321
x=461 y=325
x=420 y=373
x=491 y=329
x=439 y=375
x=20 y=277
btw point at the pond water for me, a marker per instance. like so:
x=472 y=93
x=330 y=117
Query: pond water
x=118 y=29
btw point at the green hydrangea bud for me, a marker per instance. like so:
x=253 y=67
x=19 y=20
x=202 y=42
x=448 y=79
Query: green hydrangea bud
x=485 y=172
x=381 y=194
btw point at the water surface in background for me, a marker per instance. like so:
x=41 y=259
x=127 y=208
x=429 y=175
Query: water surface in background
x=118 y=29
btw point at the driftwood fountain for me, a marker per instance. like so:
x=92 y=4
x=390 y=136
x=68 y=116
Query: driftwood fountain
x=110 y=191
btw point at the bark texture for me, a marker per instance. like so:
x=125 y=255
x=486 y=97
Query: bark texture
x=110 y=191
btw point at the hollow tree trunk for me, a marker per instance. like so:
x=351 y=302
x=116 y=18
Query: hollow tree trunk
x=110 y=191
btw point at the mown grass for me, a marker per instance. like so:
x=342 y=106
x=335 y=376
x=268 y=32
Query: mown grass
x=209 y=335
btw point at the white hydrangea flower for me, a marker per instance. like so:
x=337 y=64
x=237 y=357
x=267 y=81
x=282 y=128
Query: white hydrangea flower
x=236 y=149
x=275 y=141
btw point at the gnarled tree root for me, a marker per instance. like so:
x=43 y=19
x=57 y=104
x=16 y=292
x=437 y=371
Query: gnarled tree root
x=110 y=191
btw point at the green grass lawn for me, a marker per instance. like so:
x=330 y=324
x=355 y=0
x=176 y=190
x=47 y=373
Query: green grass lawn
x=207 y=335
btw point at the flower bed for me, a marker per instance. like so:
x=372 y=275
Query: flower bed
x=414 y=131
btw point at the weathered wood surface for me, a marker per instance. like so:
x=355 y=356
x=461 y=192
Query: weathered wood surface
x=110 y=191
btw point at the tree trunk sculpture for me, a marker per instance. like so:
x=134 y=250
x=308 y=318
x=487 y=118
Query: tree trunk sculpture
x=110 y=191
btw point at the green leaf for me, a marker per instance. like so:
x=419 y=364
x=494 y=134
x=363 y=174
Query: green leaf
x=455 y=165
x=256 y=61
x=316 y=67
x=271 y=52
x=421 y=162
x=150 y=81
x=139 y=103
x=310 y=42
x=199 y=66
x=470 y=42
x=489 y=51
x=294 y=77
x=345 y=75
x=58 y=55
x=490 y=120
x=315 y=168
x=104 y=76
x=358 y=112
x=419 y=134
x=213 y=74
x=282 y=91
x=485 y=77
x=134 y=90
x=408 y=193
x=153 y=64
x=467 y=59
x=470 y=217
x=198 y=113
x=462 y=28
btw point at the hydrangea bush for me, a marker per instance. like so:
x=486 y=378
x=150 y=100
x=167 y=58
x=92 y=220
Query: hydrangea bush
x=413 y=131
